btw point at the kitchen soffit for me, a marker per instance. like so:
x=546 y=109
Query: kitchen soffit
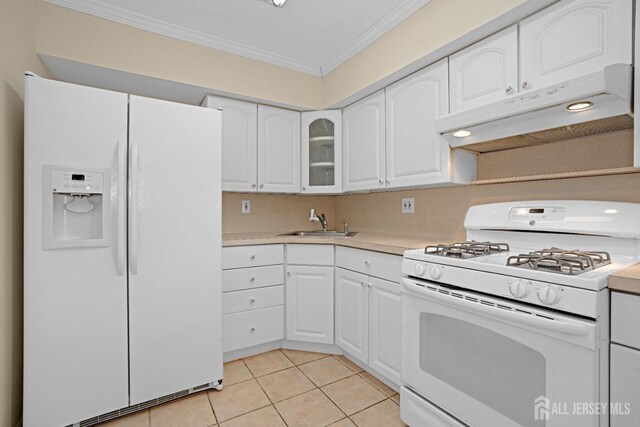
x=310 y=36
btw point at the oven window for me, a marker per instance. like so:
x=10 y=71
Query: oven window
x=495 y=370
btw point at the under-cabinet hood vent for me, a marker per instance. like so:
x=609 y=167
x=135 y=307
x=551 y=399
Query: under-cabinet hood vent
x=603 y=101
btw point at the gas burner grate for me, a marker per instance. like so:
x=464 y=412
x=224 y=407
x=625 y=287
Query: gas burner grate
x=468 y=249
x=570 y=262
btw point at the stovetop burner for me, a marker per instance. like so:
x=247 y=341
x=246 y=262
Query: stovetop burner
x=571 y=262
x=467 y=249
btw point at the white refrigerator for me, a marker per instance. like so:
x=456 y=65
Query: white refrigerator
x=122 y=252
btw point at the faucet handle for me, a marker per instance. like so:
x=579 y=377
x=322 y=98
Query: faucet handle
x=345 y=224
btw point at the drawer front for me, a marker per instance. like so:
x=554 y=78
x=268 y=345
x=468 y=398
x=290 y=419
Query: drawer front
x=248 y=278
x=249 y=328
x=234 y=302
x=310 y=254
x=376 y=264
x=252 y=256
x=625 y=317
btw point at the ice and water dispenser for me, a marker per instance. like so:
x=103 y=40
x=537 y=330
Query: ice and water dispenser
x=77 y=207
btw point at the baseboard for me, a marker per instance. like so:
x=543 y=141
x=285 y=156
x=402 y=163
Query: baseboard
x=251 y=351
x=374 y=373
x=310 y=346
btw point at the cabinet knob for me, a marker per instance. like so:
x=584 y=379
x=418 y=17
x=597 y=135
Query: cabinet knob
x=304 y=188
x=380 y=181
x=261 y=185
x=369 y=285
x=525 y=84
x=388 y=180
x=252 y=257
x=288 y=273
x=252 y=329
x=509 y=89
x=252 y=279
x=362 y=283
x=252 y=300
x=253 y=186
x=367 y=263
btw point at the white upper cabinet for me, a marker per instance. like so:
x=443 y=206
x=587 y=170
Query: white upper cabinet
x=278 y=150
x=573 y=38
x=484 y=72
x=364 y=145
x=321 y=164
x=416 y=154
x=239 y=143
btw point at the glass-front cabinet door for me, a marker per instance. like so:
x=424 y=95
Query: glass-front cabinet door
x=321 y=152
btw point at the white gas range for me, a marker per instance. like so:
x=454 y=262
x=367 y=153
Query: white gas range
x=500 y=328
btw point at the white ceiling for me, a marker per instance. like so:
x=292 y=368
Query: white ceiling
x=312 y=36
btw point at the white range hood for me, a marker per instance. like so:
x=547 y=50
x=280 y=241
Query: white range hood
x=609 y=90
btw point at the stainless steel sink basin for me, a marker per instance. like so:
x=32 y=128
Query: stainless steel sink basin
x=320 y=234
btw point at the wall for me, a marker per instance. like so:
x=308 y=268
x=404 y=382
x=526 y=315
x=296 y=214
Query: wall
x=274 y=212
x=84 y=38
x=440 y=212
x=18 y=55
x=433 y=26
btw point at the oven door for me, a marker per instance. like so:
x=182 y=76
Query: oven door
x=492 y=362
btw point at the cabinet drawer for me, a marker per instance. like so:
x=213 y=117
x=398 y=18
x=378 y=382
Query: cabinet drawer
x=249 y=328
x=625 y=317
x=252 y=256
x=248 y=278
x=310 y=254
x=375 y=264
x=251 y=299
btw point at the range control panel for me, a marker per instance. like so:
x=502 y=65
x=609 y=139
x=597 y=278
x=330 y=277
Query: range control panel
x=537 y=213
x=77 y=182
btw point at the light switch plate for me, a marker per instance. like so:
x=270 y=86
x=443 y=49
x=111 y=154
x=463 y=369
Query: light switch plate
x=246 y=206
x=407 y=205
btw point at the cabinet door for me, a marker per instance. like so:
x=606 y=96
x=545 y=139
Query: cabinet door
x=310 y=304
x=384 y=328
x=278 y=150
x=363 y=127
x=484 y=72
x=352 y=324
x=239 y=143
x=625 y=386
x=416 y=153
x=573 y=38
x=321 y=163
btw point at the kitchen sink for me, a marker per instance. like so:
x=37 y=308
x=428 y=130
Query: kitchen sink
x=319 y=234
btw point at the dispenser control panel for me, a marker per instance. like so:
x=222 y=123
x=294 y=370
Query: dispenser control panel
x=77 y=182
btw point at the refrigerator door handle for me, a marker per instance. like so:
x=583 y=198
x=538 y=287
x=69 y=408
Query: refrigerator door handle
x=133 y=209
x=121 y=232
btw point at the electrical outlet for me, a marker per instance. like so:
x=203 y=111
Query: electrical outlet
x=246 y=206
x=407 y=205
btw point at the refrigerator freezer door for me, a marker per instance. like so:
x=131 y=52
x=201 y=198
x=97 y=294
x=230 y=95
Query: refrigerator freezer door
x=174 y=247
x=75 y=300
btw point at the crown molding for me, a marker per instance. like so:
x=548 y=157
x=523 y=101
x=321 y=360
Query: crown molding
x=399 y=14
x=116 y=14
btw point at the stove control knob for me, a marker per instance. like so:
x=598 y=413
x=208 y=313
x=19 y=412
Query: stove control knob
x=518 y=289
x=436 y=272
x=547 y=295
x=419 y=269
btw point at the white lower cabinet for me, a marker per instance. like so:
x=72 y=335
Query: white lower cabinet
x=309 y=288
x=625 y=386
x=352 y=313
x=252 y=296
x=368 y=321
x=625 y=360
x=310 y=304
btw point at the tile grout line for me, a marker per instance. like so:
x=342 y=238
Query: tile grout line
x=265 y=392
x=325 y=394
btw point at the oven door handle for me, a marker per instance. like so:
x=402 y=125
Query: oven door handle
x=493 y=312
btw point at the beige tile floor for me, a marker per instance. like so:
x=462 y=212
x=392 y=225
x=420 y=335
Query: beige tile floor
x=281 y=388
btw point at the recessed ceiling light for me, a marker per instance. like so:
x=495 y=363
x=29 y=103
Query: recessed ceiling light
x=279 y=2
x=461 y=133
x=580 y=106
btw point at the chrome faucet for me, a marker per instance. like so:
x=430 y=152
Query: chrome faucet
x=319 y=218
